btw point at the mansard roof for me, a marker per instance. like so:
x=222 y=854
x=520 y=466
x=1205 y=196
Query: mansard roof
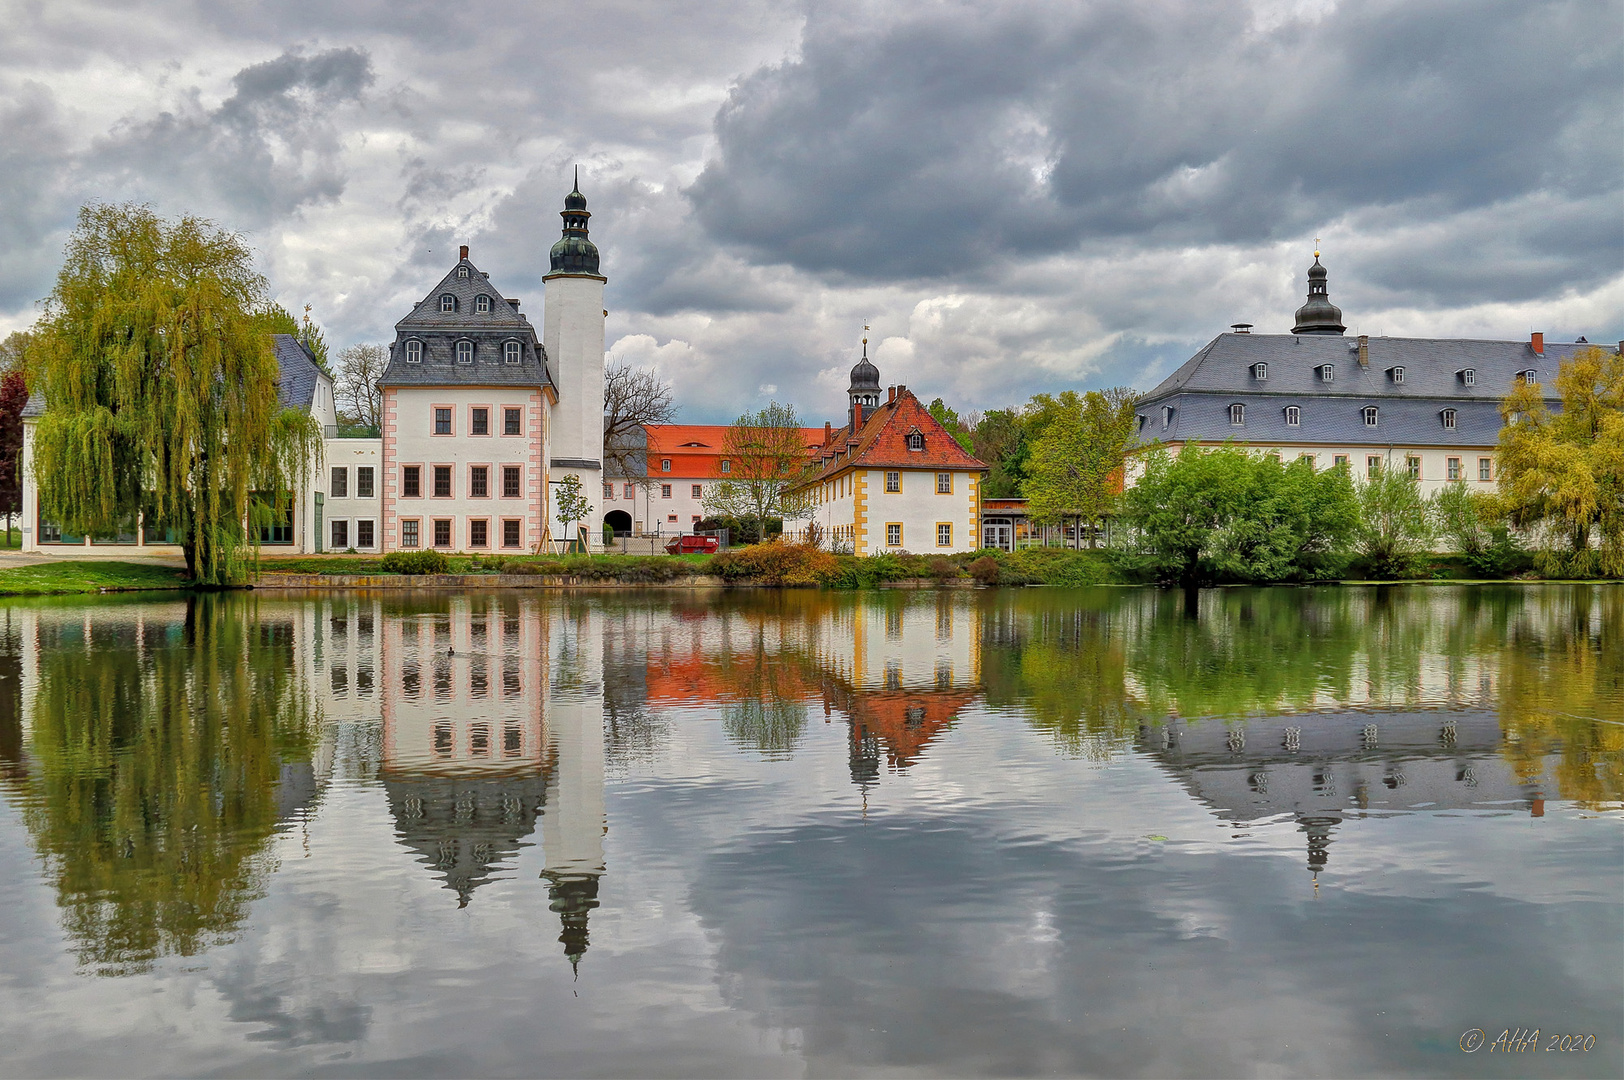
x=882 y=442
x=465 y=290
x=439 y=332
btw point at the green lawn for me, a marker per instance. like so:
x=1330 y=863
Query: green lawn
x=74 y=576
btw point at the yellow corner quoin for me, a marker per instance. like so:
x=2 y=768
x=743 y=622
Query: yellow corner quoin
x=860 y=511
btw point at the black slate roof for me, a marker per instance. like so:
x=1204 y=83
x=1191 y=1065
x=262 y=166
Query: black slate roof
x=1409 y=412
x=438 y=333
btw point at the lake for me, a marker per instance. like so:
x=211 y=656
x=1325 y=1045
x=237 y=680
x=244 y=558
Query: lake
x=1290 y=831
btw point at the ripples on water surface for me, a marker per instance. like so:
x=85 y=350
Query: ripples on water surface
x=1306 y=832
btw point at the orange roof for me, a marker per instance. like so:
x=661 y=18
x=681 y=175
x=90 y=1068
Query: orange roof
x=696 y=449
x=882 y=442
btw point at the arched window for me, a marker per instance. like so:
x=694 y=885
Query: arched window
x=1237 y=415
x=1260 y=371
x=665 y=464
x=727 y=466
x=462 y=271
x=1370 y=415
x=414 y=352
x=1327 y=372
x=916 y=441
x=1448 y=417
x=1468 y=376
x=1529 y=377
x=465 y=352
x=448 y=303
x=482 y=304
x=510 y=352
x=1397 y=373
x=1294 y=416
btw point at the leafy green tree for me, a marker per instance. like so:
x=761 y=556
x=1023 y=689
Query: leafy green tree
x=570 y=503
x=999 y=439
x=951 y=421
x=1563 y=473
x=1473 y=523
x=1076 y=464
x=1395 y=528
x=155 y=359
x=766 y=456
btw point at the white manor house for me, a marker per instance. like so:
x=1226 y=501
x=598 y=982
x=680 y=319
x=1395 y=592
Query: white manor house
x=481 y=421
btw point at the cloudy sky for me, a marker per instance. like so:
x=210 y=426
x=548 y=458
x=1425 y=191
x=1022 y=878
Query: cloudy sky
x=1019 y=196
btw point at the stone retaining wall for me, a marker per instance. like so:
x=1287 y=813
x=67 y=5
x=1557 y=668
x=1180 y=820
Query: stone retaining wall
x=474 y=581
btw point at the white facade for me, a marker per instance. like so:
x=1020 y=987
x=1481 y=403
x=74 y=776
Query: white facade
x=929 y=511
x=572 y=333
x=1435 y=467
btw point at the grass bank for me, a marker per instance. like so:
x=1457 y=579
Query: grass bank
x=76 y=576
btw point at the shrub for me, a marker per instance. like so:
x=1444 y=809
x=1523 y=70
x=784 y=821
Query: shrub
x=414 y=562
x=985 y=570
x=941 y=568
x=777 y=563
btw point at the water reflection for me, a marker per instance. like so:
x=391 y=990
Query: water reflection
x=545 y=758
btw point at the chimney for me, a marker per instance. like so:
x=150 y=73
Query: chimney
x=462 y=252
x=1364 y=350
x=514 y=304
x=856 y=416
x=1241 y=327
x=901 y=389
x=828 y=432
x=1536 y=342
x=891 y=395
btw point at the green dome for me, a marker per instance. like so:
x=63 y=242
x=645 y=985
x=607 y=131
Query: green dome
x=574 y=254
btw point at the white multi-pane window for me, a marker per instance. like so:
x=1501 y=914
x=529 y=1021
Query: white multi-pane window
x=1327 y=372
x=1468 y=376
x=1369 y=412
x=1237 y=415
x=465 y=352
x=944 y=535
x=1398 y=375
x=1452 y=468
x=1448 y=417
x=1294 y=416
x=363 y=482
x=1413 y=463
x=1485 y=468
x=893 y=482
x=340 y=486
x=448 y=303
x=1260 y=371
x=698 y=491
x=944 y=483
x=482 y=304
x=510 y=352
x=414 y=352
x=1373 y=466
x=893 y=534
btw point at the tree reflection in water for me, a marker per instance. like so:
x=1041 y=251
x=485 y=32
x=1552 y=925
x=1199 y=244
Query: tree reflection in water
x=165 y=744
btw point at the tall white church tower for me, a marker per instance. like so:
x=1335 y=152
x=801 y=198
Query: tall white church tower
x=572 y=333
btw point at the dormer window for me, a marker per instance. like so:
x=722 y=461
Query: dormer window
x=1294 y=416
x=727 y=466
x=465 y=352
x=1370 y=415
x=1529 y=377
x=1468 y=376
x=1448 y=417
x=1141 y=419
x=1260 y=371
x=1327 y=372
x=1237 y=415
x=448 y=303
x=916 y=441
x=414 y=352
x=510 y=352
x=665 y=464
x=1167 y=416
x=482 y=304
x=462 y=271
x=1397 y=374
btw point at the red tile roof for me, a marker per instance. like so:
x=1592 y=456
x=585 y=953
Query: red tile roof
x=695 y=450
x=882 y=442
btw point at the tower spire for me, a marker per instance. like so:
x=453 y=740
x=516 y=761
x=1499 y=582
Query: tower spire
x=1318 y=315
x=863 y=395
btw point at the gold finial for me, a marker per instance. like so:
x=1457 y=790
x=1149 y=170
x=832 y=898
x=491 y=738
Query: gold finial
x=1316 y=247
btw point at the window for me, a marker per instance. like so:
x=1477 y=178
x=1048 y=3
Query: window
x=1448 y=417
x=340 y=487
x=893 y=534
x=363 y=534
x=1327 y=372
x=442 y=481
x=479 y=482
x=1397 y=374
x=1452 y=468
x=448 y=303
x=1167 y=416
x=411 y=481
x=665 y=464
x=608 y=491
x=1413 y=464
x=1294 y=416
x=1373 y=466
x=442 y=421
x=363 y=481
x=944 y=483
x=510 y=352
x=671 y=518
x=944 y=534
x=1237 y=415
x=462 y=271
x=482 y=304
x=510 y=533
x=341 y=535
x=628 y=491
x=1260 y=372
x=512 y=422
x=479 y=740
x=414 y=352
x=727 y=466
x=1468 y=376
x=479 y=422
x=1312 y=459
x=1485 y=468
x=510 y=481
x=916 y=441
x=1369 y=412
x=442 y=532
x=408 y=533
x=1529 y=377
x=465 y=352
x=698 y=491
x=893 y=481
x=1339 y=459
x=665 y=491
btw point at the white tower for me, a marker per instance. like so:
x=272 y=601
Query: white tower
x=574 y=823
x=572 y=333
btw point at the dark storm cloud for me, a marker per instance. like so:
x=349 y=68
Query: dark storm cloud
x=265 y=151
x=953 y=139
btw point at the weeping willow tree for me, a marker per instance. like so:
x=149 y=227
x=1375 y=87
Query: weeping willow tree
x=156 y=362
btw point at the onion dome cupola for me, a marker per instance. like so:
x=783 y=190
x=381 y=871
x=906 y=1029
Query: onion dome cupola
x=1319 y=315
x=574 y=253
x=864 y=389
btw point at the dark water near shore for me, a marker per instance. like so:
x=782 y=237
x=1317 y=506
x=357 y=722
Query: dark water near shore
x=1291 y=832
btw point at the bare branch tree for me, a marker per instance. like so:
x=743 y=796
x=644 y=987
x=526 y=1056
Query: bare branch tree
x=360 y=402
x=632 y=397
